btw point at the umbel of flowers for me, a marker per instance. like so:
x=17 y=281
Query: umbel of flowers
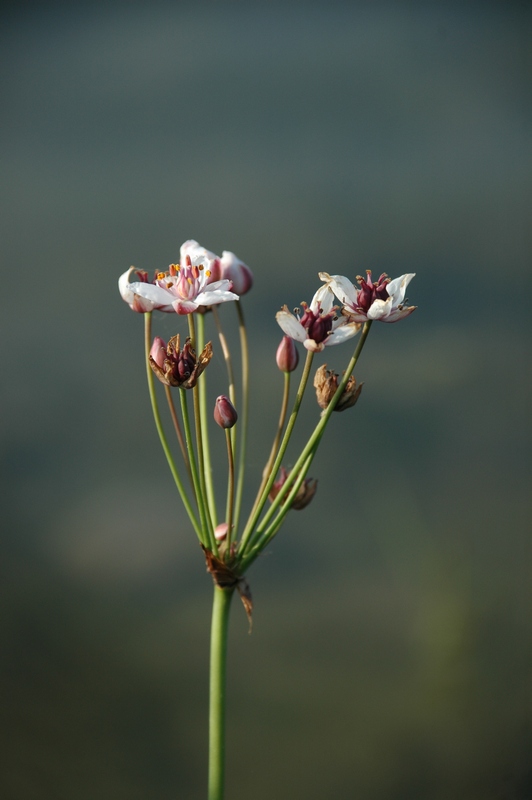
x=230 y=539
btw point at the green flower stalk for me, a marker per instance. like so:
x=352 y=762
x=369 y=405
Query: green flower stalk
x=195 y=286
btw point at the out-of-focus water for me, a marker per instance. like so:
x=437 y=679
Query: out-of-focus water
x=390 y=655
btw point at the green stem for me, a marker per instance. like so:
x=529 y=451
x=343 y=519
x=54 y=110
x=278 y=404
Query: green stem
x=177 y=428
x=202 y=390
x=160 y=430
x=230 y=489
x=245 y=411
x=207 y=537
x=282 y=418
x=284 y=444
x=219 y=628
x=260 y=539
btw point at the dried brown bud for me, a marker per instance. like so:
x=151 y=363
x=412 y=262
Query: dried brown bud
x=175 y=367
x=326 y=384
x=225 y=412
x=304 y=495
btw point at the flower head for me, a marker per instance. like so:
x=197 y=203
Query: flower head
x=319 y=325
x=187 y=286
x=383 y=300
x=176 y=367
x=129 y=292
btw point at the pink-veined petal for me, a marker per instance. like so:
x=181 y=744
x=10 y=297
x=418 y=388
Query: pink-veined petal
x=185 y=306
x=399 y=313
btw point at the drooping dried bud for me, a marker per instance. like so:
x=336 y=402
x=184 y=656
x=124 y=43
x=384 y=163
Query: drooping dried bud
x=287 y=356
x=224 y=412
x=304 y=495
x=175 y=367
x=326 y=384
x=234 y=270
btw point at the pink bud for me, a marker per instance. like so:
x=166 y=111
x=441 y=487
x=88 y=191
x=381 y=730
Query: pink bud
x=287 y=356
x=158 y=351
x=224 y=412
x=237 y=272
x=220 y=532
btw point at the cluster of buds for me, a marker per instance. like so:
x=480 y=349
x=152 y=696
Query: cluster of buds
x=326 y=385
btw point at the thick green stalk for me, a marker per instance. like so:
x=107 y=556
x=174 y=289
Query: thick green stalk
x=219 y=628
x=160 y=430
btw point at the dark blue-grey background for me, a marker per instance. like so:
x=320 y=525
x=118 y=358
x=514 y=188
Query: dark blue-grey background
x=390 y=656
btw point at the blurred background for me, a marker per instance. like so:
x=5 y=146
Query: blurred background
x=390 y=657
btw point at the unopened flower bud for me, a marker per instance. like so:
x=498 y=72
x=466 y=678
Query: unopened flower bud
x=158 y=351
x=234 y=270
x=304 y=495
x=287 y=356
x=220 y=532
x=326 y=384
x=224 y=412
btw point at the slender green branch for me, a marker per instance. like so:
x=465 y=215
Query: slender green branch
x=230 y=488
x=314 y=440
x=229 y=366
x=282 y=449
x=282 y=418
x=219 y=628
x=160 y=430
x=260 y=540
x=207 y=538
x=244 y=416
x=199 y=440
x=202 y=390
x=177 y=428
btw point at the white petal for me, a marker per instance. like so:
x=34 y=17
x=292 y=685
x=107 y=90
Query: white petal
x=380 y=308
x=156 y=294
x=397 y=288
x=313 y=346
x=291 y=326
x=212 y=298
x=323 y=299
x=184 y=306
x=123 y=285
x=342 y=334
x=399 y=313
x=342 y=288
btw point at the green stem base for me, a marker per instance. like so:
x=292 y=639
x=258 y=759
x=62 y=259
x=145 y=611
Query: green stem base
x=219 y=628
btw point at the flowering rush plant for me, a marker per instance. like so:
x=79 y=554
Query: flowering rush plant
x=338 y=312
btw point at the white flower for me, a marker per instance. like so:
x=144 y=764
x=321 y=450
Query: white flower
x=318 y=326
x=186 y=286
x=383 y=300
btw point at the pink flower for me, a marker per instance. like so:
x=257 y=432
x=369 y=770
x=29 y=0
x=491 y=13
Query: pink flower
x=383 y=300
x=187 y=286
x=319 y=325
